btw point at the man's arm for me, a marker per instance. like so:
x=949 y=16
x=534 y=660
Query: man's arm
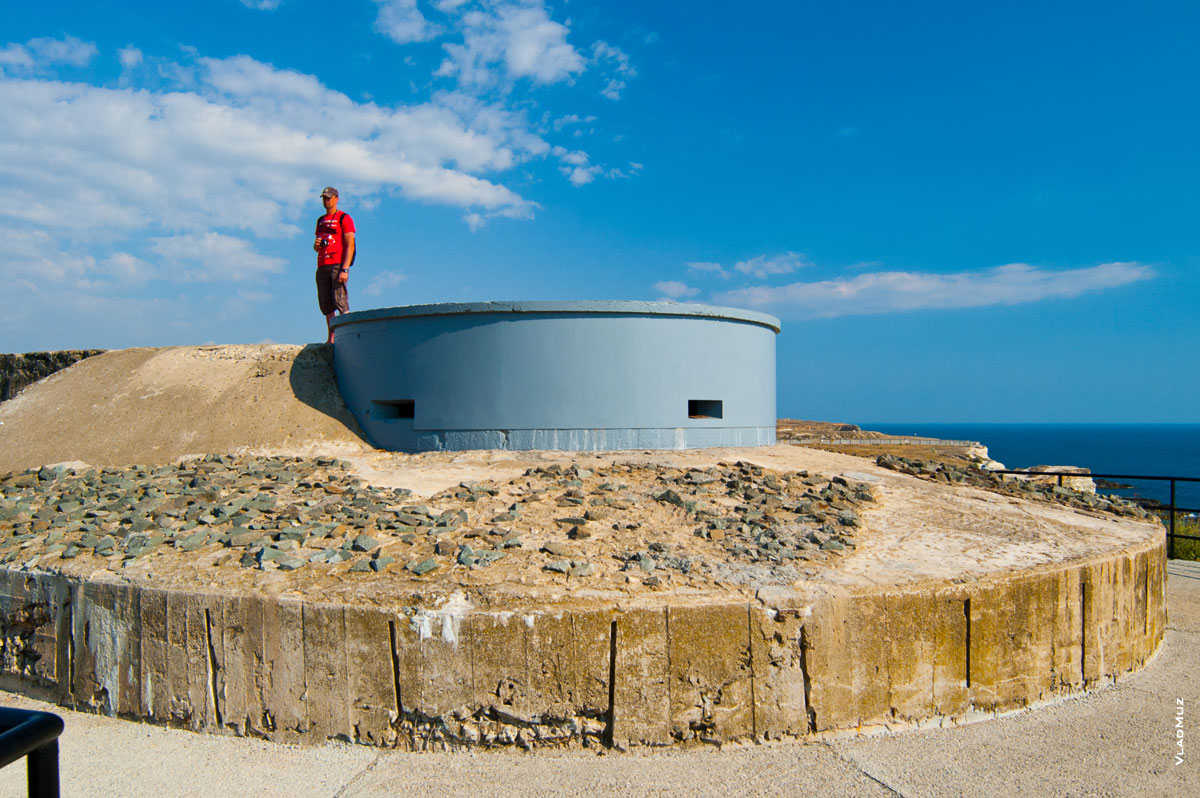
x=347 y=256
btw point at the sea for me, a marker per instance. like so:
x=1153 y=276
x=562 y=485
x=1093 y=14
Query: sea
x=1142 y=449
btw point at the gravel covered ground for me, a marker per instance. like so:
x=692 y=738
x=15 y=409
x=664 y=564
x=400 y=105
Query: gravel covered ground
x=608 y=526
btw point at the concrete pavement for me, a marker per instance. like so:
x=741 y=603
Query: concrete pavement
x=1119 y=741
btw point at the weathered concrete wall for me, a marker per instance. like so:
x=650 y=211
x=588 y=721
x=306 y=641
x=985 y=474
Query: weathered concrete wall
x=19 y=371
x=788 y=664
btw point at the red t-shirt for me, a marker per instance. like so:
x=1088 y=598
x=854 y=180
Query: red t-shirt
x=333 y=228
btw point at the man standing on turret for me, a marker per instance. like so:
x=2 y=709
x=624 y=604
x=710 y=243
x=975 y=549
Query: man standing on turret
x=334 y=246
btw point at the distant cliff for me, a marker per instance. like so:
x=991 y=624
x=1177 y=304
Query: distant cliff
x=17 y=371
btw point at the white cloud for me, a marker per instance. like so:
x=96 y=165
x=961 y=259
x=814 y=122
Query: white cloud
x=246 y=149
x=576 y=165
x=516 y=36
x=673 y=289
x=570 y=120
x=766 y=265
x=44 y=52
x=613 y=88
x=213 y=257
x=888 y=292
x=402 y=22
x=261 y=5
x=708 y=267
x=127 y=268
x=383 y=281
x=605 y=54
x=14 y=56
x=496 y=44
x=67 y=50
x=573 y=157
x=129 y=57
x=581 y=175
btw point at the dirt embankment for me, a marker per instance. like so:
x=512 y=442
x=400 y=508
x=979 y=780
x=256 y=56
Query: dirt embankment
x=158 y=405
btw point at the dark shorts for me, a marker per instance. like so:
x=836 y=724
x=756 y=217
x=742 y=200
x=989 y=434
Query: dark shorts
x=331 y=292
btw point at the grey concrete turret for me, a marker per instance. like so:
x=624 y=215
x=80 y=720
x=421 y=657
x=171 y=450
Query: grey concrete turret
x=559 y=375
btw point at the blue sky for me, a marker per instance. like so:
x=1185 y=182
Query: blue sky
x=960 y=213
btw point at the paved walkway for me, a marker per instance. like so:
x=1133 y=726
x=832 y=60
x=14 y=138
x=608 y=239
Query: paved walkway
x=1120 y=741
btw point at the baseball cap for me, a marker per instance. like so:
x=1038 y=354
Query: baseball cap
x=329 y=191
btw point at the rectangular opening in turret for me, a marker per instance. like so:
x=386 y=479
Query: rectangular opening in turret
x=392 y=409
x=704 y=408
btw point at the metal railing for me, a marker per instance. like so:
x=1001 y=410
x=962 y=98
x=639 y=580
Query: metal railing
x=26 y=733
x=1171 y=508
x=827 y=440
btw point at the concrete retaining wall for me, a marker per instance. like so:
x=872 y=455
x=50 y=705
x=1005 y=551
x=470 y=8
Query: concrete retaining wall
x=787 y=664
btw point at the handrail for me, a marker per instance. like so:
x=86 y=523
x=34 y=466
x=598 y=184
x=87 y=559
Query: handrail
x=32 y=734
x=1172 y=508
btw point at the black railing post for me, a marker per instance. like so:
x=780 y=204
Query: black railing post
x=1171 y=533
x=1155 y=507
x=33 y=735
x=43 y=771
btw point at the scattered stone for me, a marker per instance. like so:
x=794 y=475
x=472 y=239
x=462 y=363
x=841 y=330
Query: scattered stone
x=242 y=537
x=423 y=567
x=487 y=557
x=1009 y=485
x=364 y=543
x=193 y=541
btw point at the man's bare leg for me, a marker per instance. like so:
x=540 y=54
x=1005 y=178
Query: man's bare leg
x=329 y=325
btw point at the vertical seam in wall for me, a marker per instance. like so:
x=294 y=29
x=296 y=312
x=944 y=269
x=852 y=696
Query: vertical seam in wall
x=611 y=732
x=934 y=657
x=71 y=651
x=1145 y=596
x=212 y=668
x=527 y=672
x=306 y=722
x=967 y=643
x=1082 y=628
x=395 y=671
x=808 y=706
x=750 y=651
x=136 y=609
x=576 y=667
x=351 y=728
x=467 y=639
x=670 y=679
